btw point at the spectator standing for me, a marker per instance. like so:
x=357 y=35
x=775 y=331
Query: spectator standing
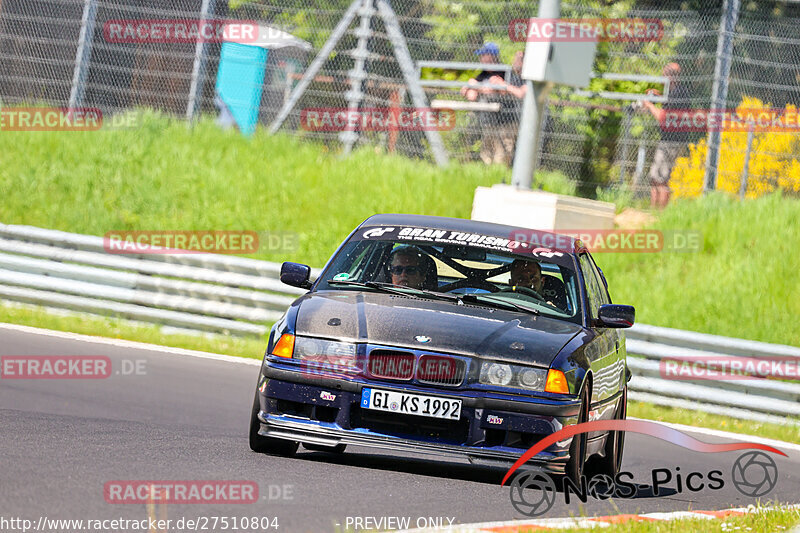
x=510 y=100
x=497 y=133
x=672 y=142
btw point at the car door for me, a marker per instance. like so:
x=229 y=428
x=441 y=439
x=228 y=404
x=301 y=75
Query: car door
x=603 y=351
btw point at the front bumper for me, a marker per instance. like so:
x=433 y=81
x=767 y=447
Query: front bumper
x=493 y=430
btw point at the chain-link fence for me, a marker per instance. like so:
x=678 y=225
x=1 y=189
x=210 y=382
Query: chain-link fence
x=94 y=53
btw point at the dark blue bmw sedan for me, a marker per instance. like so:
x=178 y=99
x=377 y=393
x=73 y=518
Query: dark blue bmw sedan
x=446 y=336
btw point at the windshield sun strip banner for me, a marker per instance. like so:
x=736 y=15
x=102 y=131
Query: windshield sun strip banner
x=440 y=236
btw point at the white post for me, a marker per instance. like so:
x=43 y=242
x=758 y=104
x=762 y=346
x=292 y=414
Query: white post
x=83 y=54
x=530 y=123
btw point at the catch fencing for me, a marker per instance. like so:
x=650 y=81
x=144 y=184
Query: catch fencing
x=61 y=52
x=240 y=296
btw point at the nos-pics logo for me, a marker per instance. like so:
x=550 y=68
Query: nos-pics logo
x=533 y=493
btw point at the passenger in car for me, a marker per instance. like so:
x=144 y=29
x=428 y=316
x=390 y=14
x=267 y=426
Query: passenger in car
x=527 y=274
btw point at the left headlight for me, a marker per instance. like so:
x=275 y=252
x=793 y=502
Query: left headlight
x=521 y=377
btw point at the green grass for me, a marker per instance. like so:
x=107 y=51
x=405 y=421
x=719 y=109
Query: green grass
x=763 y=519
x=742 y=284
x=166 y=175
x=786 y=433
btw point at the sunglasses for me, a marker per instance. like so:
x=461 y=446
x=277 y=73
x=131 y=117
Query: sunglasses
x=410 y=270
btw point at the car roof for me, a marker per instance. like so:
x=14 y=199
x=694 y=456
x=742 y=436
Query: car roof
x=465 y=225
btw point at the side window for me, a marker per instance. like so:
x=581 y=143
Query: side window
x=604 y=296
x=594 y=289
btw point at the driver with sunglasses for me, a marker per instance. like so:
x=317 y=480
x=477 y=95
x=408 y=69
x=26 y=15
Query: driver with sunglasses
x=407 y=268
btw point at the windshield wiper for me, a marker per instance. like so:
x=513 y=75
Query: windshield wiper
x=395 y=289
x=487 y=299
x=458 y=298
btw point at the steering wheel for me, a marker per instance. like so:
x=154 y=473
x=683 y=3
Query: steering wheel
x=524 y=290
x=471 y=283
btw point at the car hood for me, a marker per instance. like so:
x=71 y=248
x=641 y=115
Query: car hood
x=393 y=320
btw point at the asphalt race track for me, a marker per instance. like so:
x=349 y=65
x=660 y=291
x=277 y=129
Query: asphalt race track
x=186 y=418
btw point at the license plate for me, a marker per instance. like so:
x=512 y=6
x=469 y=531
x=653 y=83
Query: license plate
x=411 y=404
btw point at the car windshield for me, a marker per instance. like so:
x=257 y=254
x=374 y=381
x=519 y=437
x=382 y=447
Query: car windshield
x=540 y=283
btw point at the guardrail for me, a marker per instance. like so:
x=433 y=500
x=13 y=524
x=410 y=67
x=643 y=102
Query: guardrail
x=240 y=296
x=767 y=400
x=205 y=292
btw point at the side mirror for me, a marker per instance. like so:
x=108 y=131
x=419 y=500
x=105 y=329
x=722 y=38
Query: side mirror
x=615 y=316
x=296 y=275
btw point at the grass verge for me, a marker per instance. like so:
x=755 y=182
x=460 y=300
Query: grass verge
x=659 y=413
x=762 y=519
x=741 y=284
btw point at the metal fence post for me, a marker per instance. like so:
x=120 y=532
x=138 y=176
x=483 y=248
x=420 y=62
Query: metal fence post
x=746 y=169
x=199 y=66
x=408 y=69
x=623 y=145
x=638 y=173
x=530 y=122
x=719 y=93
x=83 y=54
x=358 y=73
x=315 y=66
x=540 y=144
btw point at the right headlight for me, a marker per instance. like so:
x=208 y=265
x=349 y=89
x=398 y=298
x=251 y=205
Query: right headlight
x=521 y=377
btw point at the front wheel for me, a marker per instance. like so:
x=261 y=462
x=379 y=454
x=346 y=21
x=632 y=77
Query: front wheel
x=262 y=444
x=611 y=464
x=577 y=450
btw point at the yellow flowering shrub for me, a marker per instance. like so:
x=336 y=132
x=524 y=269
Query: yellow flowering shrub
x=773 y=161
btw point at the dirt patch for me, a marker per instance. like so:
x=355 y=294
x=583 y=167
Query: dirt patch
x=633 y=218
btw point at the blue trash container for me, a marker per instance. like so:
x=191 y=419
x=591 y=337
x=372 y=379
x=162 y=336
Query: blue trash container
x=240 y=82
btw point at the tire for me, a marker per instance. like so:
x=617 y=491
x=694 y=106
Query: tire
x=611 y=463
x=577 y=450
x=261 y=444
x=339 y=448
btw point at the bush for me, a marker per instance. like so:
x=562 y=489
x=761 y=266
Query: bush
x=773 y=161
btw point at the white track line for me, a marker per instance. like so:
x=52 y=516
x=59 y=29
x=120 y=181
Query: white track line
x=728 y=435
x=129 y=344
